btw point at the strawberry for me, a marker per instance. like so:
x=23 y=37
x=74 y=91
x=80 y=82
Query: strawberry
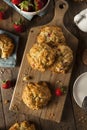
x=26 y=6
x=19 y=26
x=6 y=84
x=44 y=1
x=38 y=4
x=2 y=14
x=16 y=2
x=59 y=91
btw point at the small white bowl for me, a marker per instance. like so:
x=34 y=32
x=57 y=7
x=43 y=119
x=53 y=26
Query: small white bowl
x=80 y=89
x=30 y=15
x=81 y=20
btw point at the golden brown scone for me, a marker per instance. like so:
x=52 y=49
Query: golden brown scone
x=41 y=56
x=6 y=46
x=63 y=60
x=36 y=95
x=22 y=126
x=51 y=34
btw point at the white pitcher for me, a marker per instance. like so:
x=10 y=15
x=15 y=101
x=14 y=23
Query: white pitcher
x=81 y=20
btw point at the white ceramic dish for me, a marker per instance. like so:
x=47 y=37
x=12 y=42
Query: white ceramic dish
x=80 y=89
x=30 y=15
x=11 y=61
x=81 y=20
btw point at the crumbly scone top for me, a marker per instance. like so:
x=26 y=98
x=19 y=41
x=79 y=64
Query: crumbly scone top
x=36 y=95
x=41 y=56
x=6 y=46
x=22 y=126
x=51 y=34
x=63 y=60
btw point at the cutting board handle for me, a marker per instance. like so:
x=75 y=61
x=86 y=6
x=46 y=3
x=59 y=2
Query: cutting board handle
x=61 y=6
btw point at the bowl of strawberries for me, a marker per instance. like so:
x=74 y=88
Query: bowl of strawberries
x=31 y=7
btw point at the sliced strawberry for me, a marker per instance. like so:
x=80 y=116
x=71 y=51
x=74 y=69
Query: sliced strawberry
x=6 y=84
x=16 y=2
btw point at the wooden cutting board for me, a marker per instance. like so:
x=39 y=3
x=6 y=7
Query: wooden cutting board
x=53 y=111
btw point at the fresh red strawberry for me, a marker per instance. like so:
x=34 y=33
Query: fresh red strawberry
x=26 y=6
x=19 y=26
x=6 y=84
x=38 y=4
x=16 y=2
x=44 y=1
x=2 y=13
x=60 y=91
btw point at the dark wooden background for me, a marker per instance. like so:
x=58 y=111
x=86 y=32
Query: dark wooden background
x=74 y=118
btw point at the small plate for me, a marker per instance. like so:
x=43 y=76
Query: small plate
x=80 y=89
x=11 y=61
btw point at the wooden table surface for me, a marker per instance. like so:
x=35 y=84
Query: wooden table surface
x=73 y=118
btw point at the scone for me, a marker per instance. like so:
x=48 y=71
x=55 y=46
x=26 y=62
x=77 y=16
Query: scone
x=22 y=126
x=36 y=95
x=6 y=46
x=63 y=60
x=41 y=56
x=51 y=34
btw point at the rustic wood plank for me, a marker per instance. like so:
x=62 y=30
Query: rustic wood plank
x=6 y=97
x=80 y=117
x=8 y=118
x=2 y=120
x=79 y=114
x=67 y=121
x=12 y=117
x=56 y=106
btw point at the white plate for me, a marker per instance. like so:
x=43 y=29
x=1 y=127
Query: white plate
x=80 y=88
x=11 y=61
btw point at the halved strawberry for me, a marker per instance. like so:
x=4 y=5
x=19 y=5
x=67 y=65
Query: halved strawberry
x=16 y=2
x=26 y=6
x=6 y=84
